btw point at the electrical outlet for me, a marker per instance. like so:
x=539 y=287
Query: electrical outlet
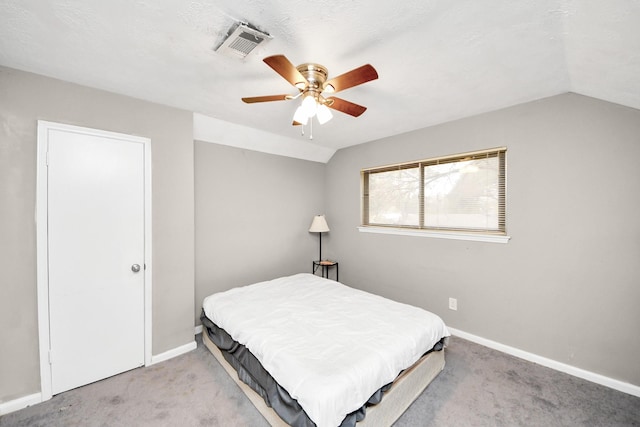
x=453 y=304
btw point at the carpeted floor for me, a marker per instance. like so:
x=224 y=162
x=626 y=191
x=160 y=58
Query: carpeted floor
x=478 y=387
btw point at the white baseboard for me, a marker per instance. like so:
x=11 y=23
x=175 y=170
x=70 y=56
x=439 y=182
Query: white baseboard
x=173 y=353
x=20 y=403
x=550 y=363
x=198 y=330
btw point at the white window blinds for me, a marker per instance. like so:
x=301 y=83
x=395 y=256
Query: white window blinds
x=463 y=192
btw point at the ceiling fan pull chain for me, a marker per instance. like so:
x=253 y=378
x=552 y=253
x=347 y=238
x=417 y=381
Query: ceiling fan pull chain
x=310 y=127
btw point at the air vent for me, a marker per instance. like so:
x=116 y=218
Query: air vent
x=241 y=40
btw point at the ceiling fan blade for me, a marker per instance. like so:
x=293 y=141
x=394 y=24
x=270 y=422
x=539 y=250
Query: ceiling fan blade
x=252 y=99
x=352 y=78
x=286 y=69
x=346 y=107
x=296 y=123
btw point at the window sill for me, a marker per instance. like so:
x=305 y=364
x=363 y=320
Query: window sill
x=492 y=238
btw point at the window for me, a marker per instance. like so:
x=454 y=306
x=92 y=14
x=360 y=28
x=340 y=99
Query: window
x=459 y=193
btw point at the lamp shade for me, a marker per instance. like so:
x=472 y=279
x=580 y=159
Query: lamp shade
x=323 y=114
x=300 y=116
x=319 y=224
x=309 y=105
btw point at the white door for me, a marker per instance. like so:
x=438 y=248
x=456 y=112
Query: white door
x=95 y=214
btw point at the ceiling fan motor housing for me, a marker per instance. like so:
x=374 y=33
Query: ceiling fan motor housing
x=315 y=74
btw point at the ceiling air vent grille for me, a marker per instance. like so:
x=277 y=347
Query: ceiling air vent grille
x=241 y=40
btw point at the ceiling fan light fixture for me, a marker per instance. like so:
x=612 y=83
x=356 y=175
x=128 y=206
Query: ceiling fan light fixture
x=324 y=114
x=300 y=116
x=309 y=105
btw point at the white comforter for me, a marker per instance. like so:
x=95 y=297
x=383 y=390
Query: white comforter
x=330 y=346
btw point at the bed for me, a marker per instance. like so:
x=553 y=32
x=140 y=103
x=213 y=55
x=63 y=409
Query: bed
x=309 y=351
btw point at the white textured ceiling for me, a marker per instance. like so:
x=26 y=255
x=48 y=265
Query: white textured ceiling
x=437 y=60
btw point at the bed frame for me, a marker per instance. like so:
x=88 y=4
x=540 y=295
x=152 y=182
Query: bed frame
x=405 y=389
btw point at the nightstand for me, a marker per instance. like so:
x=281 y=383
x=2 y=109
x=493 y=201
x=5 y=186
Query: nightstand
x=325 y=265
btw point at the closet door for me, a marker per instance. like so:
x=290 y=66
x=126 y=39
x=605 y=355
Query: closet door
x=95 y=256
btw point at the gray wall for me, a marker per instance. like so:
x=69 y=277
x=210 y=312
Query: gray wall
x=26 y=98
x=567 y=285
x=253 y=212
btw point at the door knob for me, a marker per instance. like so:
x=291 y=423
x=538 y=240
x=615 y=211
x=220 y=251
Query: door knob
x=135 y=268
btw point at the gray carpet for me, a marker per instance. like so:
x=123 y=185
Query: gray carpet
x=478 y=387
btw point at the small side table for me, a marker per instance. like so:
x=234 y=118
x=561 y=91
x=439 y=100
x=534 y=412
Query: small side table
x=325 y=265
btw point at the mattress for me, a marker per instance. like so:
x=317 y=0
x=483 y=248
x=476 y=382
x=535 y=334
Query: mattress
x=329 y=346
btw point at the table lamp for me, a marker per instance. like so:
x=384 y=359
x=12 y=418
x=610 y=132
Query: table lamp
x=319 y=225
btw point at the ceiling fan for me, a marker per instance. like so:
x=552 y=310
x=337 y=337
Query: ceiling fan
x=311 y=81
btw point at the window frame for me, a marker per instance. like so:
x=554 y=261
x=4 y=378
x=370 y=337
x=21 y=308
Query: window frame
x=489 y=235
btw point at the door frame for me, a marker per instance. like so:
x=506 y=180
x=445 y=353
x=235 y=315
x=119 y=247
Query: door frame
x=42 y=252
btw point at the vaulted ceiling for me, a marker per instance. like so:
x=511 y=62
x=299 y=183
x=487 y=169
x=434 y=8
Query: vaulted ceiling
x=438 y=60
